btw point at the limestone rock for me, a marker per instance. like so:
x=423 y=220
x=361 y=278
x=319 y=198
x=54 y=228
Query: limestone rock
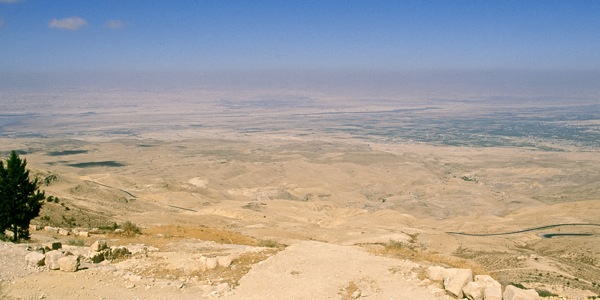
x=456 y=279
x=51 y=229
x=492 y=289
x=83 y=233
x=514 y=293
x=51 y=259
x=96 y=256
x=35 y=259
x=63 y=231
x=69 y=263
x=222 y=288
x=224 y=261
x=202 y=263
x=211 y=263
x=98 y=246
x=436 y=273
x=473 y=291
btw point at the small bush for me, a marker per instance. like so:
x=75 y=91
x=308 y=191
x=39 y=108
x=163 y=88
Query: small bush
x=270 y=244
x=518 y=285
x=76 y=242
x=545 y=293
x=393 y=245
x=130 y=229
x=467 y=178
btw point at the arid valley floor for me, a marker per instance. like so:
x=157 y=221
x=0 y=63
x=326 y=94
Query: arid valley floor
x=251 y=176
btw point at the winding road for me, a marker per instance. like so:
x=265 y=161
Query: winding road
x=524 y=230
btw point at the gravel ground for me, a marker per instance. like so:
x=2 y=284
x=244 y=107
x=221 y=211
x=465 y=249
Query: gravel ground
x=315 y=270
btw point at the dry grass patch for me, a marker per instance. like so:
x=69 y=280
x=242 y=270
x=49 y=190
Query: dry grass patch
x=231 y=275
x=412 y=252
x=202 y=233
x=164 y=235
x=348 y=292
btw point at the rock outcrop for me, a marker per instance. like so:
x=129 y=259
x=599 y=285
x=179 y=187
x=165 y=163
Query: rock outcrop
x=35 y=259
x=460 y=284
x=69 y=263
x=514 y=293
x=492 y=289
x=51 y=260
x=456 y=279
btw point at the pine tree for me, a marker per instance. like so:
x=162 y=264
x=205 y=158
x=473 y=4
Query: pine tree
x=20 y=197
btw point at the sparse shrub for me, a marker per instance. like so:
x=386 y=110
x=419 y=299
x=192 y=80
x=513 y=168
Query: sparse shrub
x=45 y=220
x=467 y=178
x=49 y=179
x=56 y=200
x=77 y=242
x=393 y=245
x=4 y=238
x=270 y=244
x=545 y=293
x=130 y=229
x=110 y=227
x=518 y=285
x=69 y=222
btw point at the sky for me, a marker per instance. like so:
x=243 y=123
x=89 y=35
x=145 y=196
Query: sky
x=154 y=36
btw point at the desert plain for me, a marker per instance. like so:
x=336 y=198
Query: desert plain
x=314 y=197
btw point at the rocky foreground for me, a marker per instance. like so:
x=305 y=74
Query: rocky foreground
x=200 y=269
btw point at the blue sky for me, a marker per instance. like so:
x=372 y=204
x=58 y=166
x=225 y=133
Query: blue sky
x=109 y=35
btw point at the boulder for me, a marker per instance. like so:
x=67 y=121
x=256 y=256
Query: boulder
x=224 y=261
x=98 y=246
x=211 y=263
x=51 y=229
x=35 y=259
x=492 y=289
x=202 y=263
x=473 y=291
x=54 y=245
x=96 y=256
x=83 y=233
x=514 y=293
x=69 y=263
x=63 y=231
x=456 y=279
x=51 y=259
x=223 y=288
x=436 y=273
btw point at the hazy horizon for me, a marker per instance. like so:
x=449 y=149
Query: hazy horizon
x=424 y=84
x=288 y=43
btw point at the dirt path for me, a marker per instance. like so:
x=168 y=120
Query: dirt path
x=315 y=270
